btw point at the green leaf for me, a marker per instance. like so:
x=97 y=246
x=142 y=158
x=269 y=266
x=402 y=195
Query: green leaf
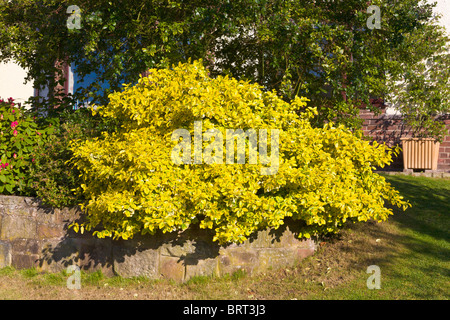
x=9 y=188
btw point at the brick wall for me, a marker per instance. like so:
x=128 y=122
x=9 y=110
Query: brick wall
x=390 y=128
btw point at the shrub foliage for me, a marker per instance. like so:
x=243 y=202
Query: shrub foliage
x=54 y=180
x=325 y=175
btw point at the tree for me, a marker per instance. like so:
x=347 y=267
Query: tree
x=421 y=88
x=323 y=50
x=117 y=41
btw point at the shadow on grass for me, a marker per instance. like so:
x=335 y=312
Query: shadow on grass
x=416 y=246
x=430 y=211
x=412 y=248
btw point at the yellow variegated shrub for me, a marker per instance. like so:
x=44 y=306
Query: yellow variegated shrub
x=324 y=176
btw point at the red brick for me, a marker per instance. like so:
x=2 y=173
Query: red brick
x=371 y=121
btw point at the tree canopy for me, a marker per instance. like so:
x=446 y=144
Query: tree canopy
x=323 y=50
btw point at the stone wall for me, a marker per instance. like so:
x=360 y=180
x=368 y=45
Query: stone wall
x=33 y=235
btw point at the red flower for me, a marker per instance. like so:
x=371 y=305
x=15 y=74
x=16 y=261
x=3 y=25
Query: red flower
x=14 y=124
x=15 y=133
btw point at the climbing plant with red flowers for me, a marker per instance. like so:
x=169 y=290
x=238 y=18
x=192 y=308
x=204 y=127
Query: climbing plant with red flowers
x=19 y=136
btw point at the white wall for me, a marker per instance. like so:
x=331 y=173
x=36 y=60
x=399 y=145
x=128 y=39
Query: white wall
x=12 y=78
x=443 y=7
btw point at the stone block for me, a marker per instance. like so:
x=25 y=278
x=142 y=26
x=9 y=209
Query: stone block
x=172 y=268
x=303 y=252
x=24 y=261
x=238 y=258
x=190 y=249
x=68 y=215
x=13 y=205
x=177 y=250
x=8 y=210
x=88 y=254
x=201 y=267
x=94 y=254
x=45 y=215
x=57 y=255
x=13 y=201
x=25 y=246
x=5 y=254
x=32 y=202
x=275 y=258
x=288 y=251
x=17 y=227
x=129 y=262
x=259 y=239
x=284 y=236
x=46 y=231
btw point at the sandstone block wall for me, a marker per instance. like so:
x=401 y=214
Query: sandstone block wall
x=33 y=235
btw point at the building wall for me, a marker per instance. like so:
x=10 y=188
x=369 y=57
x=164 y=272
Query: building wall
x=12 y=78
x=443 y=8
x=389 y=128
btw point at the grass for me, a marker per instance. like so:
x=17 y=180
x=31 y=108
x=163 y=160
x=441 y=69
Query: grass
x=412 y=250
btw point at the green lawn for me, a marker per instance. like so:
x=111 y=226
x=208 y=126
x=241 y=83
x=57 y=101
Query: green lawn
x=416 y=264
x=412 y=250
